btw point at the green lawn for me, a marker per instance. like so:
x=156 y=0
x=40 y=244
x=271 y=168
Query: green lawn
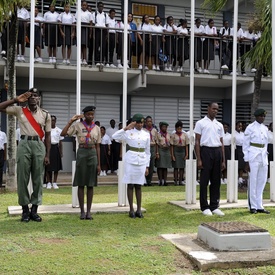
x=111 y=243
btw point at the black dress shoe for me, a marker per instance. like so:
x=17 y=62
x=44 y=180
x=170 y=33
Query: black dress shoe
x=253 y=211
x=263 y=211
x=89 y=217
x=139 y=215
x=35 y=217
x=25 y=217
x=132 y=214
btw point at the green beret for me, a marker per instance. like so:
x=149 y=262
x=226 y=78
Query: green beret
x=163 y=123
x=88 y=109
x=138 y=118
x=260 y=112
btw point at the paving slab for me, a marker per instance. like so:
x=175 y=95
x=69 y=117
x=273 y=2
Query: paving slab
x=68 y=209
x=205 y=258
x=223 y=204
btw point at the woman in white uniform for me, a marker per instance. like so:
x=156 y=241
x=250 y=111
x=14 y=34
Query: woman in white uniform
x=136 y=160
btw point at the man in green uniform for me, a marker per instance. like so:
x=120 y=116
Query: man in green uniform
x=32 y=152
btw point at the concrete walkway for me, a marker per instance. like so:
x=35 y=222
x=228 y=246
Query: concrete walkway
x=68 y=209
x=205 y=258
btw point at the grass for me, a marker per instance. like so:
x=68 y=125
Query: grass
x=111 y=243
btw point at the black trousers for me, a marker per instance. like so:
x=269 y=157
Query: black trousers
x=115 y=151
x=111 y=44
x=211 y=160
x=2 y=161
x=100 y=45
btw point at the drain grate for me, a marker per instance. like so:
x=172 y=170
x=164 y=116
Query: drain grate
x=233 y=227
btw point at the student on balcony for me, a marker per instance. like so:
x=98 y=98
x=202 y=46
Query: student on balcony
x=23 y=16
x=209 y=45
x=100 y=19
x=144 y=41
x=86 y=32
x=51 y=32
x=170 y=29
x=183 y=44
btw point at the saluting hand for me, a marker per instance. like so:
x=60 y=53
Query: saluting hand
x=24 y=97
x=76 y=117
x=130 y=126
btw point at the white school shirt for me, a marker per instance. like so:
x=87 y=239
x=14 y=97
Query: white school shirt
x=182 y=30
x=51 y=16
x=239 y=138
x=120 y=25
x=23 y=14
x=138 y=139
x=209 y=30
x=144 y=27
x=270 y=137
x=106 y=140
x=3 y=140
x=227 y=139
x=198 y=30
x=224 y=31
x=55 y=135
x=157 y=29
x=240 y=33
x=211 y=132
x=250 y=36
x=255 y=133
x=38 y=19
x=66 y=18
x=99 y=19
x=85 y=16
x=168 y=28
x=110 y=131
x=111 y=24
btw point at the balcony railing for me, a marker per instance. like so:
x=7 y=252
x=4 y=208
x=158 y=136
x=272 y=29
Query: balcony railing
x=56 y=43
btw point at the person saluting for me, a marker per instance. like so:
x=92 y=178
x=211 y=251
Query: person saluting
x=136 y=160
x=88 y=156
x=32 y=152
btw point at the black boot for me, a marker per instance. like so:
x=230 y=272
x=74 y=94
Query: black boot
x=26 y=214
x=34 y=216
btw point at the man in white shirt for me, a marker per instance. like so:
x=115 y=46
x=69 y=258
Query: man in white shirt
x=210 y=159
x=3 y=154
x=115 y=147
x=100 y=19
x=227 y=46
x=255 y=155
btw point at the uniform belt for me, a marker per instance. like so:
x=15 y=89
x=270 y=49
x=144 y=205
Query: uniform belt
x=257 y=145
x=86 y=146
x=135 y=149
x=36 y=138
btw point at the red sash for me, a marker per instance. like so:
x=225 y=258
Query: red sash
x=33 y=122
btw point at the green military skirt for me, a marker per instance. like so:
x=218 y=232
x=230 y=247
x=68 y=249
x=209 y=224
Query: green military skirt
x=86 y=168
x=179 y=154
x=164 y=160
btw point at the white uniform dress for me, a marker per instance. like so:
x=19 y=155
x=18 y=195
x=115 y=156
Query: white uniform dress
x=255 y=152
x=135 y=163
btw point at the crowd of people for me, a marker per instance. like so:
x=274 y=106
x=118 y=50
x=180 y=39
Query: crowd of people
x=164 y=43
x=99 y=150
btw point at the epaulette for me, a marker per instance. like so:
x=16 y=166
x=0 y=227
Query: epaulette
x=44 y=110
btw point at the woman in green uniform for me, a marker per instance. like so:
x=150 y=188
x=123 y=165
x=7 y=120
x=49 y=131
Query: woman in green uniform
x=88 y=156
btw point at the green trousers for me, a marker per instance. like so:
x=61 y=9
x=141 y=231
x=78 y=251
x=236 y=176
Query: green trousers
x=30 y=162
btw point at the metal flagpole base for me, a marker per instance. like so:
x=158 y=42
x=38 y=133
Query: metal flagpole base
x=232 y=181
x=191 y=181
x=272 y=181
x=75 y=202
x=122 y=188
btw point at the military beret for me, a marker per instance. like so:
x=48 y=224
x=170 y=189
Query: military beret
x=163 y=123
x=88 y=109
x=138 y=118
x=260 y=112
